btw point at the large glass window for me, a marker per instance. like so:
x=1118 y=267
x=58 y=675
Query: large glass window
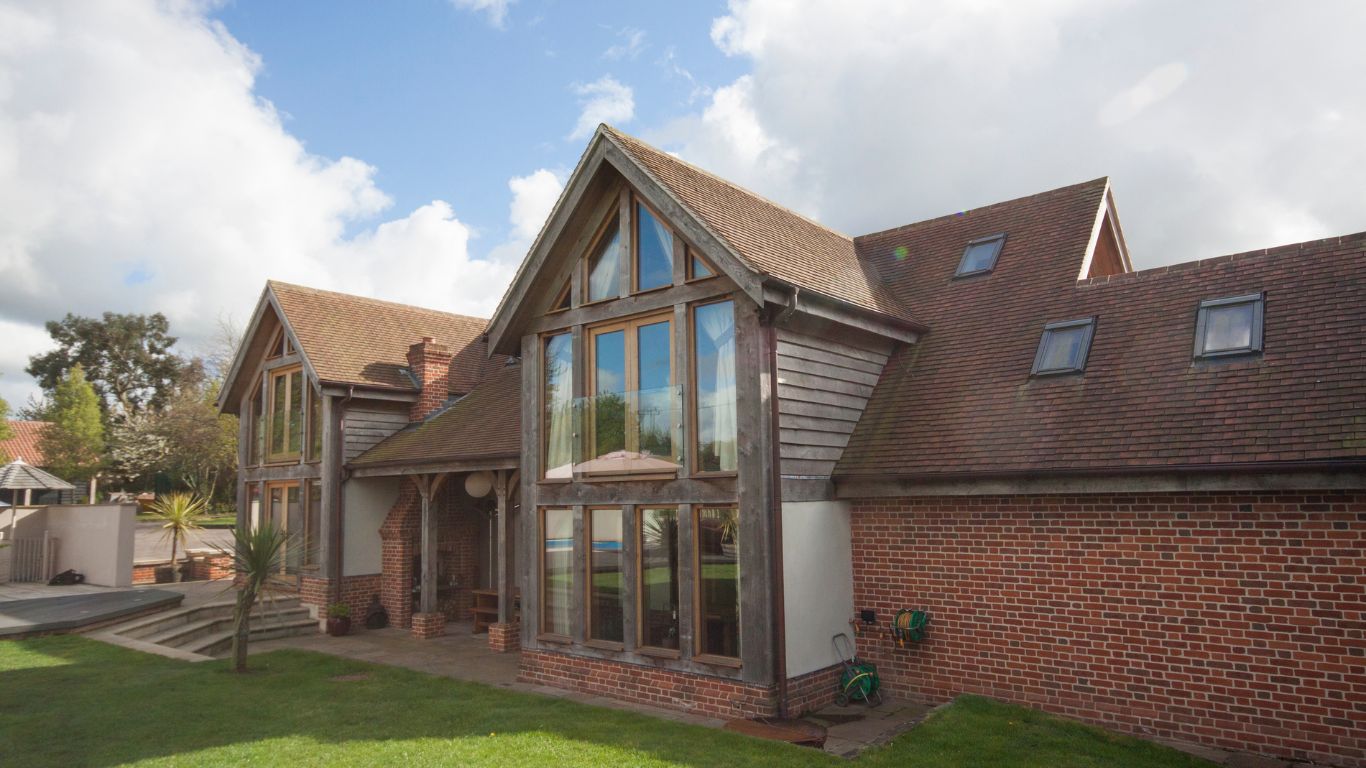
x=1231 y=326
x=558 y=399
x=313 y=523
x=258 y=428
x=606 y=576
x=657 y=585
x=315 y=425
x=604 y=266
x=286 y=415
x=717 y=575
x=654 y=251
x=1064 y=346
x=557 y=570
x=714 y=386
x=632 y=408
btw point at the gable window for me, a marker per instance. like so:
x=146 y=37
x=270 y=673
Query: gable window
x=286 y=421
x=1063 y=347
x=561 y=302
x=606 y=576
x=1231 y=326
x=557 y=398
x=654 y=266
x=604 y=266
x=315 y=425
x=698 y=267
x=713 y=355
x=717 y=576
x=980 y=255
x=557 y=570
x=632 y=417
x=258 y=427
x=657 y=578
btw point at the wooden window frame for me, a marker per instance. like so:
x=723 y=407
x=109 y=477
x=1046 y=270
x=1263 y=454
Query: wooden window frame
x=690 y=419
x=588 y=639
x=629 y=327
x=690 y=253
x=310 y=536
x=284 y=486
x=1254 y=347
x=1088 y=326
x=699 y=635
x=563 y=301
x=287 y=456
x=999 y=238
x=541 y=399
x=641 y=646
x=586 y=263
x=541 y=634
x=634 y=254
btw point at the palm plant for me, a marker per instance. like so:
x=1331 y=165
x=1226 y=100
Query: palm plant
x=258 y=557
x=180 y=513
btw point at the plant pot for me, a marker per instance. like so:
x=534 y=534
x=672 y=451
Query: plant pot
x=339 y=627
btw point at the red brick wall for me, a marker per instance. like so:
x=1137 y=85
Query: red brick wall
x=398 y=537
x=1236 y=620
x=700 y=694
x=813 y=690
x=458 y=537
x=356 y=592
x=458 y=543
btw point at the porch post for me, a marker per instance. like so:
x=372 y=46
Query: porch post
x=502 y=486
x=427 y=487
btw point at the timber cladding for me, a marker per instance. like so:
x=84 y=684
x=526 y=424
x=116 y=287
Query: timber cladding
x=1231 y=619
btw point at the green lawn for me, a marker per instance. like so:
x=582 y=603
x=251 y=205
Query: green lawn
x=212 y=521
x=70 y=701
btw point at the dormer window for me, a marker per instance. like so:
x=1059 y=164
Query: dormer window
x=604 y=266
x=980 y=255
x=1230 y=326
x=1063 y=347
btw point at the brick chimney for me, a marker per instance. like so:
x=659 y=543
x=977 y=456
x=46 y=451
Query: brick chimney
x=431 y=366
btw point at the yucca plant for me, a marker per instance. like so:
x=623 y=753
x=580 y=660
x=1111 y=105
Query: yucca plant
x=180 y=513
x=258 y=556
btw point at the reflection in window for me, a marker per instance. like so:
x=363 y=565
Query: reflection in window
x=1064 y=346
x=697 y=268
x=604 y=268
x=607 y=579
x=559 y=405
x=258 y=428
x=313 y=522
x=654 y=406
x=714 y=369
x=609 y=388
x=632 y=410
x=654 y=251
x=717 y=534
x=658 y=578
x=286 y=426
x=315 y=425
x=557 y=567
x=980 y=255
x=1231 y=326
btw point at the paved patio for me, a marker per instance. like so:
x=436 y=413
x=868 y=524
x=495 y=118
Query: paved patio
x=66 y=611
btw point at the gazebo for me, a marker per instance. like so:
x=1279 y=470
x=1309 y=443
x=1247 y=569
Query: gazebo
x=19 y=476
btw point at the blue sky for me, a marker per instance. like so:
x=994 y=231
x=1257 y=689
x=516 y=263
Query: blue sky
x=173 y=155
x=447 y=105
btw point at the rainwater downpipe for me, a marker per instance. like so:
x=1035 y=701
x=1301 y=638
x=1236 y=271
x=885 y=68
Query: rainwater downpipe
x=776 y=503
x=338 y=536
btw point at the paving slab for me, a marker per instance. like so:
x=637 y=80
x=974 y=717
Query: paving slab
x=74 y=612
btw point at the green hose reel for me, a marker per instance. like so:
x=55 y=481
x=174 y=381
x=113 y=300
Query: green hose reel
x=909 y=626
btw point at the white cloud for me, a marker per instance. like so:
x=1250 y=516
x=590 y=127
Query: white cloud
x=533 y=197
x=496 y=10
x=140 y=172
x=632 y=43
x=602 y=101
x=1219 y=136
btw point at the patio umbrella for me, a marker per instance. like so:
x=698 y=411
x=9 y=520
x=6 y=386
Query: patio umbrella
x=20 y=476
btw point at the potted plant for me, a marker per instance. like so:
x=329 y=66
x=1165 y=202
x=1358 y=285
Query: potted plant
x=338 y=619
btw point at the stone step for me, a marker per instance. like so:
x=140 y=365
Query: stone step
x=220 y=643
x=158 y=623
x=183 y=634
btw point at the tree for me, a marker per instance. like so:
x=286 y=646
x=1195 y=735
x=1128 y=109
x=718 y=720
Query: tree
x=74 y=443
x=137 y=450
x=179 y=513
x=5 y=431
x=257 y=557
x=127 y=358
x=204 y=441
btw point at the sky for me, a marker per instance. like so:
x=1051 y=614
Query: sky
x=172 y=155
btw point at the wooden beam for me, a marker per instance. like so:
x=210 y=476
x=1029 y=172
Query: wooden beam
x=505 y=579
x=638 y=304
x=428 y=486
x=415 y=469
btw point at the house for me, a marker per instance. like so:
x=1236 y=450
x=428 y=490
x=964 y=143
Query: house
x=703 y=434
x=25 y=443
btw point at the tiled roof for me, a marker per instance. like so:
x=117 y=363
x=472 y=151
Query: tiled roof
x=24 y=444
x=485 y=424
x=773 y=240
x=961 y=400
x=356 y=340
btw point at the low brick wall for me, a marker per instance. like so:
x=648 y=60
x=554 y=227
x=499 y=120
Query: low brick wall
x=504 y=638
x=356 y=592
x=199 y=567
x=813 y=691
x=1236 y=620
x=700 y=694
x=428 y=625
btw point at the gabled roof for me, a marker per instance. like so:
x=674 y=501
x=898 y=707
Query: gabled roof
x=19 y=474
x=25 y=443
x=485 y=424
x=769 y=238
x=961 y=401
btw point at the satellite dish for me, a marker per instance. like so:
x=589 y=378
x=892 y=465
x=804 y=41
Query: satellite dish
x=478 y=484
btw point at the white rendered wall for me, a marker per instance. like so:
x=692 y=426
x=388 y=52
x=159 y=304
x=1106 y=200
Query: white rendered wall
x=818 y=571
x=365 y=503
x=96 y=540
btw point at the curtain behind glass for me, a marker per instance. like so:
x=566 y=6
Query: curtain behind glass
x=716 y=422
x=559 y=406
x=604 y=277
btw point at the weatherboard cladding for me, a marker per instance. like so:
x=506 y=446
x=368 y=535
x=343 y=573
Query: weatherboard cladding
x=962 y=401
x=354 y=340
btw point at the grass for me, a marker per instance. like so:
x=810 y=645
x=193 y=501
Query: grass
x=211 y=521
x=72 y=701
